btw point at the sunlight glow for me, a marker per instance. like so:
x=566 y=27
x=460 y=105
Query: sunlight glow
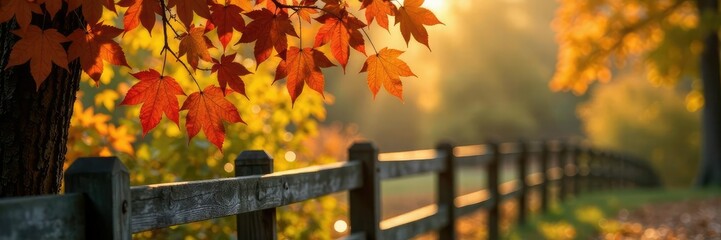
x=290 y=156
x=340 y=226
x=436 y=5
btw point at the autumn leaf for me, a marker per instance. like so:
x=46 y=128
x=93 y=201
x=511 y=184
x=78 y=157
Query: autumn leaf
x=301 y=68
x=52 y=6
x=226 y=18
x=305 y=13
x=157 y=94
x=42 y=48
x=93 y=45
x=229 y=73
x=186 y=8
x=92 y=9
x=412 y=17
x=195 y=44
x=379 y=10
x=140 y=12
x=268 y=31
x=22 y=10
x=340 y=34
x=207 y=110
x=246 y=5
x=386 y=69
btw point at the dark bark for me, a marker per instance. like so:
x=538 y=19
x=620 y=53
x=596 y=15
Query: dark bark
x=34 y=124
x=710 y=168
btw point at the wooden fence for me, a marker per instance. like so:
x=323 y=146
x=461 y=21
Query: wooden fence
x=99 y=202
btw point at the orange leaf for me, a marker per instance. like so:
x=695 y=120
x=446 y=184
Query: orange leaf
x=41 y=48
x=158 y=95
x=22 y=10
x=268 y=31
x=53 y=6
x=303 y=67
x=140 y=12
x=386 y=69
x=92 y=9
x=305 y=13
x=340 y=34
x=379 y=10
x=195 y=44
x=229 y=73
x=226 y=18
x=186 y=8
x=207 y=110
x=94 y=46
x=412 y=17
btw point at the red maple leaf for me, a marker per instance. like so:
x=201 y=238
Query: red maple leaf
x=195 y=44
x=42 y=48
x=226 y=18
x=386 y=69
x=22 y=10
x=379 y=10
x=157 y=94
x=268 y=31
x=186 y=8
x=301 y=68
x=140 y=12
x=412 y=17
x=92 y=9
x=340 y=34
x=94 y=45
x=229 y=73
x=207 y=110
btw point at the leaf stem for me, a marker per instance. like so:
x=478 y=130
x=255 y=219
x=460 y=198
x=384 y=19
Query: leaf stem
x=166 y=47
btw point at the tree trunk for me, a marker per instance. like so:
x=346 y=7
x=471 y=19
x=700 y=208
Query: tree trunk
x=710 y=168
x=34 y=124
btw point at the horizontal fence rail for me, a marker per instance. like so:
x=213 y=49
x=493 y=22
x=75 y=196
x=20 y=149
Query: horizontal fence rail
x=100 y=203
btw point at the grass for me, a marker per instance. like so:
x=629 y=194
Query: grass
x=587 y=216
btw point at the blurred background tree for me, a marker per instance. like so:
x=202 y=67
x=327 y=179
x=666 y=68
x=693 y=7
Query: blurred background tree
x=665 y=39
x=632 y=116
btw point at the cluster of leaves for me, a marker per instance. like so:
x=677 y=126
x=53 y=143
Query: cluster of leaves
x=270 y=24
x=596 y=35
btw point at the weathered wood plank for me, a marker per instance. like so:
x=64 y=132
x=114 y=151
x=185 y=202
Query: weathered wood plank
x=365 y=201
x=45 y=217
x=473 y=161
x=163 y=205
x=471 y=202
x=106 y=184
x=411 y=224
x=259 y=224
x=446 y=185
x=402 y=168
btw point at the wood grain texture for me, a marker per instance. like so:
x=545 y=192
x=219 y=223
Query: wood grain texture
x=163 y=205
x=364 y=202
x=259 y=224
x=46 y=217
x=105 y=182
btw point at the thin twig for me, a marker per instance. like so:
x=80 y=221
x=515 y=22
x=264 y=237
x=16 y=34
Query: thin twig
x=166 y=48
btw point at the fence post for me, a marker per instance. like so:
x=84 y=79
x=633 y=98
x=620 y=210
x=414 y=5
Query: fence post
x=257 y=224
x=544 y=176
x=365 y=212
x=562 y=162
x=106 y=185
x=522 y=173
x=447 y=190
x=493 y=172
x=575 y=155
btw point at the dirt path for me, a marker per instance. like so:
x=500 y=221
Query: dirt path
x=696 y=219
